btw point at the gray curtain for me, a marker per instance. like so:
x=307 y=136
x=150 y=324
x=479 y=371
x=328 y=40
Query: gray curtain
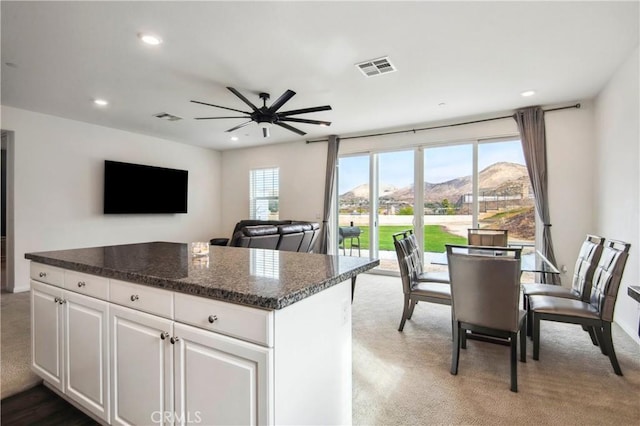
x=329 y=187
x=532 y=133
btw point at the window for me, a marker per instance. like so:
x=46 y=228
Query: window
x=440 y=191
x=264 y=192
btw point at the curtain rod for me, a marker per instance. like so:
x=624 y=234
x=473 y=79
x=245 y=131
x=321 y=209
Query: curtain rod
x=439 y=127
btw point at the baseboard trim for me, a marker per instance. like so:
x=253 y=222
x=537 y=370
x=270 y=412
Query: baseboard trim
x=19 y=289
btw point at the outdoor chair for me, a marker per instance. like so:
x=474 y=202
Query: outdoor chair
x=414 y=290
x=487 y=237
x=485 y=295
x=597 y=312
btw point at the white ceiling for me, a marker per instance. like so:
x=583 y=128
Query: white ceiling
x=476 y=57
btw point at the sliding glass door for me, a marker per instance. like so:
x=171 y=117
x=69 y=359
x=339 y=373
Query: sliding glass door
x=396 y=201
x=440 y=192
x=448 y=185
x=354 y=205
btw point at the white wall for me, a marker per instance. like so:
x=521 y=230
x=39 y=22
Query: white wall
x=302 y=174
x=58 y=187
x=617 y=202
x=570 y=140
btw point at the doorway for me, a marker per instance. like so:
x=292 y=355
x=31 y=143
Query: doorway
x=6 y=214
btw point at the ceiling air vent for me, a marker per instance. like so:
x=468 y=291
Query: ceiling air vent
x=167 y=116
x=376 y=67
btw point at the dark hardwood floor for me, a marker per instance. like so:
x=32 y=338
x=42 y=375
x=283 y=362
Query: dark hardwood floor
x=41 y=406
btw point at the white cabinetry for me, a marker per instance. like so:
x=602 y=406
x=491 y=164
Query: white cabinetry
x=46 y=333
x=130 y=354
x=70 y=345
x=165 y=371
x=235 y=374
x=142 y=367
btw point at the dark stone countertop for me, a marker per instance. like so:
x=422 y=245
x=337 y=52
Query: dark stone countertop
x=268 y=279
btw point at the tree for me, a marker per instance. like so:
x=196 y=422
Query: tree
x=406 y=211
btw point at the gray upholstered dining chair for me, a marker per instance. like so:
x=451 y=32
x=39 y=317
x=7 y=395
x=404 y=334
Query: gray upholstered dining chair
x=485 y=295
x=421 y=274
x=588 y=258
x=597 y=312
x=487 y=237
x=414 y=290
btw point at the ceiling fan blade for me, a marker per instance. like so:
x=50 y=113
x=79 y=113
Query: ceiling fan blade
x=239 y=126
x=305 y=110
x=218 y=106
x=291 y=128
x=216 y=118
x=241 y=96
x=304 y=120
x=265 y=132
x=281 y=100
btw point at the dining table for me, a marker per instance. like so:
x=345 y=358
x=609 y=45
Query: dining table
x=533 y=261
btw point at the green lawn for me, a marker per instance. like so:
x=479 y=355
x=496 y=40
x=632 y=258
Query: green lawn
x=435 y=237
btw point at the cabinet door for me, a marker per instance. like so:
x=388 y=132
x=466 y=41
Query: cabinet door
x=221 y=380
x=87 y=352
x=141 y=368
x=47 y=347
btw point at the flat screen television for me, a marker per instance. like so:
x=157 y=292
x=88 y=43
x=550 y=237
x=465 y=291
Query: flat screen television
x=136 y=188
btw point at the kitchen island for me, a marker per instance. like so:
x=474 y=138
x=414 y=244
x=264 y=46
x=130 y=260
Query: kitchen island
x=149 y=333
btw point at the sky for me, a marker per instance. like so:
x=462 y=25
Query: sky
x=441 y=164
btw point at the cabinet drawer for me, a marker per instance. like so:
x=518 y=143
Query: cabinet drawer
x=143 y=298
x=254 y=325
x=47 y=274
x=91 y=285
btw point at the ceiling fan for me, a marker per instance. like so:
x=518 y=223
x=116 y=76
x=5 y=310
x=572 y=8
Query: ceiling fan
x=268 y=116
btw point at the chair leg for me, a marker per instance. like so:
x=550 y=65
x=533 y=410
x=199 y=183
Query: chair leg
x=608 y=341
x=514 y=362
x=592 y=334
x=600 y=339
x=536 y=336
x=405 y=312
x=463 y=338
x=525 y=302
x=523 y=343
x=455 y=349
x=411 y=308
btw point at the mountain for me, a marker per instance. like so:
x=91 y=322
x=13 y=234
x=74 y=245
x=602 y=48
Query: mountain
x=501 y=177
x=362 y=191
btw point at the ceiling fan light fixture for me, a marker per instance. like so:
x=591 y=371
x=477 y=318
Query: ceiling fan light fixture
x=264 y=124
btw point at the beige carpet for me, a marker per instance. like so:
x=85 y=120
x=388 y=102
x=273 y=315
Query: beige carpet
x=15 y=353
x=403 y=378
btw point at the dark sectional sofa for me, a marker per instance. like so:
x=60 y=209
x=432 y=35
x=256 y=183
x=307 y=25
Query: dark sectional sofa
x=288 y=235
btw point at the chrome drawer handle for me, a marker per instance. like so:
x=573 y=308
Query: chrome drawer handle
x=174 y=340
x=56 y=300
x=61 y=301
x=134 y=297
x=81 y=284
x=42 y=274
x=164 y=335
x=213 y=318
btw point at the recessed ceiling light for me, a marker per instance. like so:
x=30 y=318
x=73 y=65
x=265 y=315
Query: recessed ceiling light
x=234 y=138
x=528 y=93
x=150 y=39
x=100 y=102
